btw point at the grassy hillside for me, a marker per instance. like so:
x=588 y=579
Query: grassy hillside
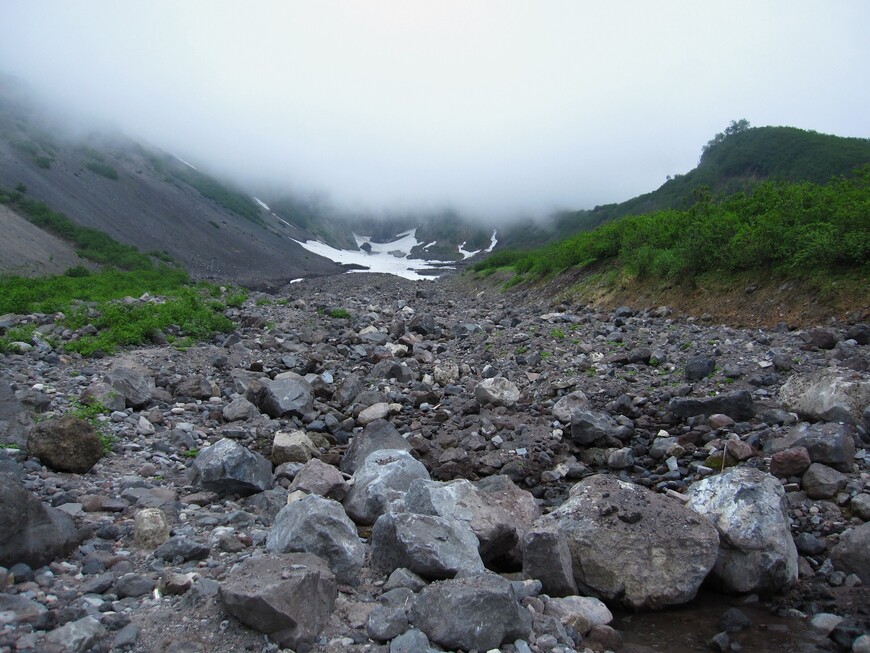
x=781 y=226
x=732 y=161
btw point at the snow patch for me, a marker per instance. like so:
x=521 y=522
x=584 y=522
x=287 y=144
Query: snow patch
x=465 y=253
x=297 y=280
x=262 y=203
x=189 y=165
x=492 y=242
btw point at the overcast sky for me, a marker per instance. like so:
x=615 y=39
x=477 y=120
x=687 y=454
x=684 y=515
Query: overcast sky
x=491 y=107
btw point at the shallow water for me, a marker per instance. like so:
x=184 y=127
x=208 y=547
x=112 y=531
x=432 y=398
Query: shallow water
x=689 y=628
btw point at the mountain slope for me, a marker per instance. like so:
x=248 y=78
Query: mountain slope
x=147 y=198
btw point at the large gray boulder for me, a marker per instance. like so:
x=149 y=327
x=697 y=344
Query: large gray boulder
x=30 y=531
x=830 y=444
x=497 y=391
x=432 y=547
x=67 y=444
x=737 y=405
x=496 y=510
x=749 y=510
x=226 y=467
x=476 y=613
x=632 y=546
x=319 y=526
x=286 y=395
x=852 y=552
x=385 y=476
x=377 y=435
x=288 y=597
x=132 y=381
x=831 y=395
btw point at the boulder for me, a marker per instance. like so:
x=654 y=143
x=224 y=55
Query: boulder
x=264 y=593
x=496 y=510
x=432 y=547
x=239 y=409
x=195 y=387
x=287 y=395
x=102 y=392
x=67 y=444
x=582 y=613
x=565 y=407
x=378 y=435
x=385 y=476
x=749 y=510
x=132 y=381
x=698 y=367
x=150 y=528
x=30 y=531
x=319 y=526
x=497 y=391
x=632 y=546
x=587 y=426
x=831 y=394
x=15 y=420
x=293 y=447
x=852 y=552
x=737 y=405
x=830 y=444
x=477 y=613
x=316 y=477
x=226 y=467
x=546 y=557
x=822 y=482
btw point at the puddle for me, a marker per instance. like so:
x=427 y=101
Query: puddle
x=689 y=628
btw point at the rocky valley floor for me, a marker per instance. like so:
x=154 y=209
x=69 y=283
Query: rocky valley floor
x=472 y=470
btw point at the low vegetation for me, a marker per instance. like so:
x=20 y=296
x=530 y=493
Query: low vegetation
x=102 y=169
x=779 y=227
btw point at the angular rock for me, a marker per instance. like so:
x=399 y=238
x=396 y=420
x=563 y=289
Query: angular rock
x=195 y=387
x=477 y=613
x=582 y=613
x=496 y=510
x=15 y=419
x=226 y=467
x=150 y=528
x=264 y=593
x=852 y=552
x=698 y=367
x=293 y=447
x=321 y=527
x=587 y=426
x=635 y=547
x=831 y=394
x=378 y=435
x=75 y=636
x=316 y=477
x=68 y=444
x=30 y=531
x=346 y=391
x=737 y=405
x=384 y=476
x=380 y=410
x=432 y=547
x=546 y=557
x=286 y=395
x=497 y=391
x=750 y=511
x=830 y=444
x=103 y=393
x=565 y=407
x=182 y=547
x=133 y=381
x=239 y=409
x=822 y=482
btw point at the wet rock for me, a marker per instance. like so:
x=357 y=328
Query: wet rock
x=226 y=467
x=822 y=482
x=737 y=405
x=263 y=592
x=150 y=528
x=321 y=527
x=132 y=381
x=734 y=620
x=478 y=613
x=316 y=477
x=288 y=394
x=750 y=512
x=579 y=612
x=432 y=547
x=384 y=476
x=378 y=435
x=852 y=553
x=68 y=444
x=831 y=394
x=497 y=391
x=31 y=531
x=656 y=557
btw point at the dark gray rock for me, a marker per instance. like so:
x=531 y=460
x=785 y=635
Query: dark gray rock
x=321 y=527
x=15 y=419
x=830 y=444
x=226 y=467
x=377 y=435
x=635 y=547
x=31 y=531
x=547 y=558
x=182 y=547
x=737 y=405
x=264 y=593
x=316 y=477
x=430 y=546
x=239 y=409
x=852 y=552
x=134 y=585
x=822 y=482
x=587 y=426
x=132 y=381
x=565 y=407
x=347 y=390
x=68 y=444
x=699 y=367
x=475 y=613
x=286 y=395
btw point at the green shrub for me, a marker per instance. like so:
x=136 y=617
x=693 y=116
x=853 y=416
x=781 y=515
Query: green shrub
x=102 y=169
